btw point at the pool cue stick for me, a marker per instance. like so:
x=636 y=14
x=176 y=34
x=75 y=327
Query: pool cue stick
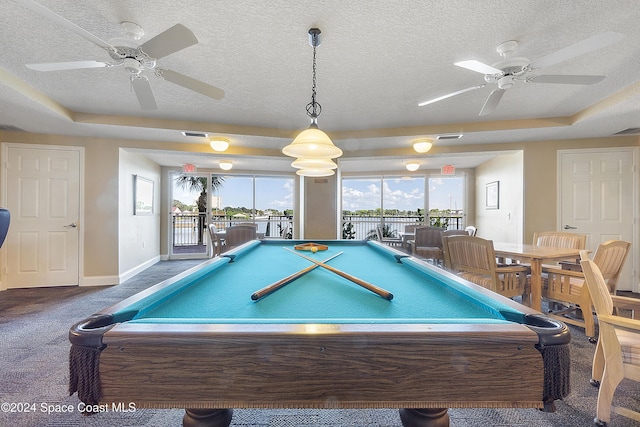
x=373 y=288
x=280 y=283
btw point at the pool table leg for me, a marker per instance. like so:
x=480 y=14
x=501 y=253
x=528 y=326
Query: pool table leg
x=207 y=417
x=431 y=417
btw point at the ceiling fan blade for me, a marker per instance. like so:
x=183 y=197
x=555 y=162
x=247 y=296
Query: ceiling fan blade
x=492 y=101
x=449 y=95
x=478 y=67
x=49 y=14
x=62 y=66
x=142 y=88
x=172 y=40
x=192 y=84
x=575 y=50
x=567 y=79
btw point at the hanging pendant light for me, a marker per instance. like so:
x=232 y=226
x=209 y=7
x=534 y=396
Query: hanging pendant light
x=313 y=143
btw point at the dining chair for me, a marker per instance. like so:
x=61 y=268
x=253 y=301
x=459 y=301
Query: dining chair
x=562 y=239
x=474 y=259
x=239 y=234
x=391 y=241
x=617 y=354
x=566 y=287
x=427 y=244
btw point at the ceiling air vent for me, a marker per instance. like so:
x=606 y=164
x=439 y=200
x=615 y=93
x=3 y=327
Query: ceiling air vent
x=450 y=136
x=195 y=134
x=628 y=131
x=11 y=128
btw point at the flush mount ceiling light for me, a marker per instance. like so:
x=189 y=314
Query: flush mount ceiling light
x=219 y=143
x=225 y=165
x=312 y=142
x=412 y=166
x=423 y=145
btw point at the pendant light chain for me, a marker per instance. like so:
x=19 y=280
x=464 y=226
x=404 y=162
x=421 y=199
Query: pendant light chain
x=314 y=108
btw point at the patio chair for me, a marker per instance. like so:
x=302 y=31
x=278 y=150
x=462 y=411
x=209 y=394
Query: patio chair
x=427 y=244
x=618 y=352
x=567 y=286
x=474 y=259
x=216 y=241
x=471 y=230
x=391 y=241
x=239 y=234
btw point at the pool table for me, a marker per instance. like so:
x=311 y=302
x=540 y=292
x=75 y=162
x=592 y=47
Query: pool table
x=395 y=333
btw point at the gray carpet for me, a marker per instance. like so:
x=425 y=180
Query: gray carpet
x=34 y=324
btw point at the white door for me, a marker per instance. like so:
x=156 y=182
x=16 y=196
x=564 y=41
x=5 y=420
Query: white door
x=596 y=197
x=42 y=188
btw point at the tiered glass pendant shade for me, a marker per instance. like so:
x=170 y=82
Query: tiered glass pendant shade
x=312 y=148
x=312 y=143
x=309 y=163
x=315 y=172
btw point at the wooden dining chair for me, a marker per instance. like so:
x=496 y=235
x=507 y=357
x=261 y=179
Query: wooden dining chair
x=239 y=234
x=566 y=287
x=618 y=351
x=562 y=239
x=427 y=244
x=474 y=259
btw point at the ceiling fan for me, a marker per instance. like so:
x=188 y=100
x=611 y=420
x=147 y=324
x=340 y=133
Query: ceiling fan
x=135 y=59
x=514 y=69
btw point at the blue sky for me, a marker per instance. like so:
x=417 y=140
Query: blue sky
x=399 y=193
x=402 y=193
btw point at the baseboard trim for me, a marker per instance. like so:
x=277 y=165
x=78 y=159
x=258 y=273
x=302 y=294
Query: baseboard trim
x=140 y=268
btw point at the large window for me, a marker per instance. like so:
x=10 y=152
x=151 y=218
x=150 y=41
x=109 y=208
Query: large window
x=266 y=201
x=391 y=202
x=446 y=201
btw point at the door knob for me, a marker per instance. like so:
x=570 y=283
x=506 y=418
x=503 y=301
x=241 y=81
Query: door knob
x=568 y=227
x=72 y=225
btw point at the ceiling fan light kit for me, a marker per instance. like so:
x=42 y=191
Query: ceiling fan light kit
x=313 y=143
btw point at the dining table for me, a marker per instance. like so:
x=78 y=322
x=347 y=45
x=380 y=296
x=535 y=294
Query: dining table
x=535 y=256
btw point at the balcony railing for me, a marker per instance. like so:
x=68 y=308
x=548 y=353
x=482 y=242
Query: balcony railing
x=360 y=227
x=190 y=230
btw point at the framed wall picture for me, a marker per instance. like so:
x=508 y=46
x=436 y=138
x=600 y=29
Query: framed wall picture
x=492 y=199
x=143 y=195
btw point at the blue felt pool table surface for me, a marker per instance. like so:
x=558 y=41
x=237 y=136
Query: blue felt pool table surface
x=221 y=291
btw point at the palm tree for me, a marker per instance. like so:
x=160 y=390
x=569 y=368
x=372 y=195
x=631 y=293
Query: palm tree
x=199 y=183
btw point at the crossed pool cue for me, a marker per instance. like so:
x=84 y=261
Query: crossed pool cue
x=282 y=282
x=373 y=288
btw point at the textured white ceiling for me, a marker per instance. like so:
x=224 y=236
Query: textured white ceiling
x=377 y=60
